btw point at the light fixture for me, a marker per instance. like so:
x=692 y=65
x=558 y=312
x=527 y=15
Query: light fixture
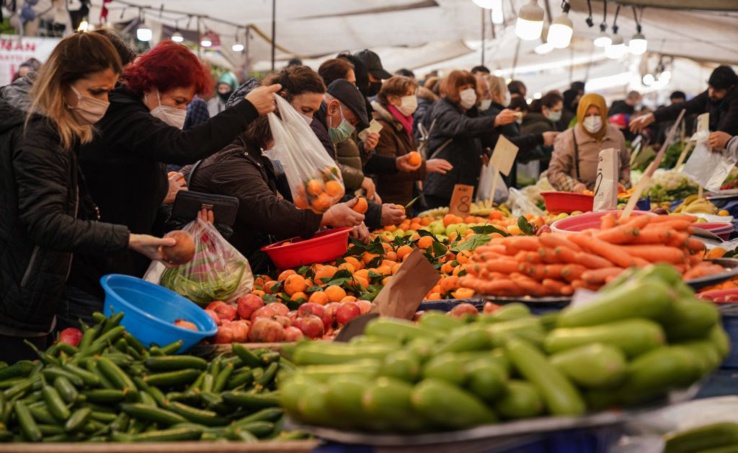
x=648 y=79
x=498 y=16
x=205 y=41
x=143 y=32
x=617 y=49
x=544 y=48
x=177 y=37
x=237 y=46
x=489 y=4
x=83 y=26
x=638 y=43
x=561 y=30
x=603 y=40
x=530 y=21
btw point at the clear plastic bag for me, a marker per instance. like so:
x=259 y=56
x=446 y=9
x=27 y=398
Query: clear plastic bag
x=486 y=181
x=217 y=272
x=521 y=205
x=706 y=166
x=313 y=177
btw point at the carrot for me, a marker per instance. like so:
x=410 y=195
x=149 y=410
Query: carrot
x=576 y=284
x=528 y=257
x=572 y=272
x=650 y=235
x=656 y=253
x=599 y=276
x=608 y=221
x=695 y=245
x=529 y=285
x=679 y=225
x=592 y=261
x=529 y=243
x=668 y=218
x=567 y=290
x=694 y=260
x=603 y=249
x=501 y=287
x=548 y=255
x=566 y=255
x=506 y=266
x=554 y=240
x=678 y=239
x=702 y=270
x=618 y=235
x=637 y=222
x=555 y=286
x=535 y=271
x=554 y=271
x=640 y=262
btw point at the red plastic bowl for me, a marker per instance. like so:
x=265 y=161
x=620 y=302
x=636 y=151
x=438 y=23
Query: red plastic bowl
x=567 y=202
x=719 y=229
x=324 y=246
x=587 y=221
x=720 y=296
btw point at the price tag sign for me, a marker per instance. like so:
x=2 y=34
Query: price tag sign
x=503 y=157
x=703 y=123
x=606 y=186
x=461 y=200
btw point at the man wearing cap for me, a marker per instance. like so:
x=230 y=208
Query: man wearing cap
x=720 y=100
x=376 y=72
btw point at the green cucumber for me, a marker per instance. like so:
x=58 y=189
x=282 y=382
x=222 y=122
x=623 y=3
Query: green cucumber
x=172 y=378
x=153 y=414
x=448 y=368
x=529 y=329
x=65 y=388
x=632 y=336
x=321 y=353
x=168 y=435
x=54 y=402
x=292 y=389
x=446 y=406
x=470 y=338
x=654 y=372
x=251 y=400
x=344 y=400
x=28 y=425
x=401 y=365
x=521 y=400
x=486 y=379
x=175 y=363
x=703 y=438
x=690 y=319
x=440 y=321
x=507 y=312
x=592 y=366
x=388 y=401
x=363 y=368
x=78 y=420
x=399 y=329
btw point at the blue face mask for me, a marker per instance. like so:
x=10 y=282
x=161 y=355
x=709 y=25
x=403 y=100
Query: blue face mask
x=341 y=133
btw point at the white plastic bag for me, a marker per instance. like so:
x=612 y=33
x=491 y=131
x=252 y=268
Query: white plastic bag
x=217 y=272
x=708 y=167
x=521 y=205
x=486 y=180
x=313 y=177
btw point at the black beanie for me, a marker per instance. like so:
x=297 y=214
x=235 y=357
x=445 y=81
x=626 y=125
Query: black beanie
x=722 y=78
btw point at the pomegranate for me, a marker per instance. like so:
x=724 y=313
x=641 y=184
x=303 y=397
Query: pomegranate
x=346 y=312
x=310 y=325
x=213 y=315
x=184 y=324
x=279 y=308
x=264 y=312
x=70 y=335
x=283 y=320
x=292 y=333
x=224 y=335
x=223 y=310
x=463 y=309
x=364 y=306
x=182 y=251
x=248 y=304
x=240 y=330
x=317 y=310
x=265 y=330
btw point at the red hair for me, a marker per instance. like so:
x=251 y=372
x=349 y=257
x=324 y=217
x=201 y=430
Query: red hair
x=455 y=80
x=166 y=66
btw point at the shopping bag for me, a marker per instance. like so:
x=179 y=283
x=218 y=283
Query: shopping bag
x=314 y=179
x=217 y=272
x=706 y=166
x=487 y=182
x=606 y=188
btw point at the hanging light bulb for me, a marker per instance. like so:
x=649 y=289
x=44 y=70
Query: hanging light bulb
x=603 y=40
x=143 y=32
x=237 y=47
x=205 y=41
x=544 y=48
x=561 y=30
x=638 y=44
x=84 y=26
x=617 y=49
x=648 y=79
x=488 y=4
x=530 y=21
x=177 y=36
x=498 y=16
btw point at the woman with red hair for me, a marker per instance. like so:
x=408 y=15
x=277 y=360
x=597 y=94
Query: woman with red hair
x=124 y=166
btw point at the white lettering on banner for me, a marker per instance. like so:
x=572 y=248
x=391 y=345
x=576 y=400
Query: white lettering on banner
x=14 y=50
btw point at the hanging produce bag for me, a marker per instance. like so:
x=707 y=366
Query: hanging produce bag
x=314 y=179
x=706 y=166
x=217 y=272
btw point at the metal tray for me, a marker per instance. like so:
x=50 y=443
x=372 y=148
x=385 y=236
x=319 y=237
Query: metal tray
x=731 y=266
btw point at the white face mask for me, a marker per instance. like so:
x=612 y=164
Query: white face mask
x=468 y=98
x=88 y=110
x=554 y=116
x=505 y=98
x=409 y=104
x=592 y=124
x=485 y=104
x=170 y=115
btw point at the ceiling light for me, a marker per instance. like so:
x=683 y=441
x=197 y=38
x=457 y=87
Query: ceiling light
x=638 y=44
x=498 y=16
x=544 y=48
x=530 y=21
x=144 y=33
x=617 y=49
x=177 y=37
x=237 y=47
x=603 y=40
x=206 y=42
x=83 y=26
x=648 y=79
x=489 y=4
x=561 y=31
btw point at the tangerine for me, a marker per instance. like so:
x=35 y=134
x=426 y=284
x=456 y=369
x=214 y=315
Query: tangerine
x=283 y=276
x=335 y=293
x=314 y=187
x=334 y=189
x=361 y=205
x=324 y=274
x=319 y=297
x=414 y=159
x=425 y=242
x=403 y=251
x=295 y=283
x=299 y=296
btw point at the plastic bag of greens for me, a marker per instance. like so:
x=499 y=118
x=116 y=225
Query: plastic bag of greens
x=217 y=272
x=314 y=179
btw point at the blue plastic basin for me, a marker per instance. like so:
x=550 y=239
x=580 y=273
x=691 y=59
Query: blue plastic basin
x=150 y=311
x=729 y=314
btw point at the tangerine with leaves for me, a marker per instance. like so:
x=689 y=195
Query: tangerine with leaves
x=335 y=293
x=295 y=283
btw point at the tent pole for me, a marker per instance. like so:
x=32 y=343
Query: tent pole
x=274 y=30
x=247 y=68
x=515 y=60
x=483 y=41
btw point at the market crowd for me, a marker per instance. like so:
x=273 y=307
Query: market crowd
x=88 y=136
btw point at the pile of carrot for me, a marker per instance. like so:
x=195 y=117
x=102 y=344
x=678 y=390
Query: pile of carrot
x=556 y=264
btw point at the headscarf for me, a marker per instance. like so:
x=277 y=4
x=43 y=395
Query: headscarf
x=240 y=93
x=228 y=78
x=587 y=101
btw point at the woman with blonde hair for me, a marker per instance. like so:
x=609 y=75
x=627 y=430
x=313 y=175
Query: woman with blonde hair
x=45 y=212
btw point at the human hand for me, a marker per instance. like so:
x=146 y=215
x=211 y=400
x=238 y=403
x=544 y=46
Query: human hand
x=392 y=214
x=639 y=123
x=262 y=98
x=438 y=166
x=579 y=188
x=718 y=139
x=403 y=164
x=361 y=232
x=505 y=117
x=485 y=156
x=377 y=199
x=371 y=141
x=549 y=137
x=368 y=185
x=149 y=246
x=206 y=215
x=177 y=182
x=342 y=215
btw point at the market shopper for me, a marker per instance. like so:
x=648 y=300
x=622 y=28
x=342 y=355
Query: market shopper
x=242 y=170
x=573 y=166
x=124 y=164
x=720 y=100
x=517 y=87
x=393 y=109
x=227 y=84
x=46 y=213
x=545 y=117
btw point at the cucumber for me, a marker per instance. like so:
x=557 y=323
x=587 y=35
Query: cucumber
x=690 y=319
x=202 y=417
x=313 y=406
x=321 y=353
x=159 y=416
x=648 y=299
x=363 y=368
x=78 y=420
x=720 y=339
x=398 y=329
x=447 y=368
x=28 y=425
x=521 y=400
x=175 y=363
x=173 y=378
x=423 y=348
x=703 y=438
x=508 y=312
x=344 y=400
x=168 y=435
x=487 y=380
x=659 y=370
x=706 y=353
x=291 y=389
x=439 y=321
x=632 y=336
x=446 y=406
x=561 y=397
x=54 y=402
x=251 y=400
x=65 y=388
x=388 y=401
x=466 y=339
x=592 y=366
x=529 y=329
x=401 y=365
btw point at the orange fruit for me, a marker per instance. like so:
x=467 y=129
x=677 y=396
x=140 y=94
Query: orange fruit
x=363 y=273
x=319 y=297
x=386 y=247
x=347 y=266
x=396 y=268
x=463 y=256
x=390 y=228
x=361 y=206
x=384 y=270
x=434 y=296
x=425 y=242
x=269 y=286
x=403 y=251
x=258 y=292
x=391 y=256
x=449 y=284
x=295 y=284
x=314 y=187
x=335 y=293
x=348 y=299
x=414 y=159
x=463 y=293
x=368 y=257
x=447 y=268
x=354 y=262
x=299 y=296
x=361 y=281
x=425 y=221
x=321 y=203
x=386 y=280
x=449 y=219
x=334 y=189
x=283 y=276
x=324 y=274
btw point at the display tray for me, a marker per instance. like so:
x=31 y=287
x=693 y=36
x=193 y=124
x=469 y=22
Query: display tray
x=479 y=301
x=731 y=266
x=297 y=446
x=722 y=194
x=498 y=431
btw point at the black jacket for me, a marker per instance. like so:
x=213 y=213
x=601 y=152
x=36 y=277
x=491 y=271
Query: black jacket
x=126 y=173
x=41 y=200
x=723 y=114
x=463 y=132
x=263 y=216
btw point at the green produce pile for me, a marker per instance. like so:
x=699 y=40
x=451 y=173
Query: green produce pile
x=645 y=335
x=111 y=388
x=714 y=438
